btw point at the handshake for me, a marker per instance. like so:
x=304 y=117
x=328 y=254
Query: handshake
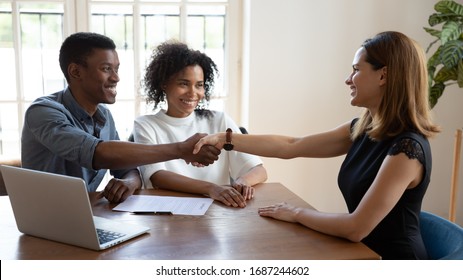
x=200 y=150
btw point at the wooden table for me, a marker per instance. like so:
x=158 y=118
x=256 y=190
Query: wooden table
x=222 y=233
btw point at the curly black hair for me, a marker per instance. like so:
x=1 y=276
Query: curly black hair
x=170 y=58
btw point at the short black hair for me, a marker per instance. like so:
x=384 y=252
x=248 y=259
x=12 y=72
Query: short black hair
x=78 y=46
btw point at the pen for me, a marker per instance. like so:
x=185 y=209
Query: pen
x=152 y=213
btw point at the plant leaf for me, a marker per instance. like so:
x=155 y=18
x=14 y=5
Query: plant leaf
x=452 y=53
x=435 y=19
x=435 y=59
x=445 y=74
x=433 y=32
x=435 y=92
x=449 y=7
x=450 y=31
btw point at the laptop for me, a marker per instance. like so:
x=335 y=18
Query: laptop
x=57 y=207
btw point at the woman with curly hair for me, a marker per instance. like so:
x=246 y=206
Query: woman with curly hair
x=183 y=79
x=387 y=165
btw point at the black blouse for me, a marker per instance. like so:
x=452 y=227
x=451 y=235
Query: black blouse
x=398 y=235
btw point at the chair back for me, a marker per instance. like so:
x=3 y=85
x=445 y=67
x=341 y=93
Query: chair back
x=443 y=239
x=2 y=186
x=243 y=130
x=7 y=161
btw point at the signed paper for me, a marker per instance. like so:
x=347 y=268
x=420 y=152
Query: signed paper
x=175 y=205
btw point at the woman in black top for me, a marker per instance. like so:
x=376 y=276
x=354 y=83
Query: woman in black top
x=388 y=158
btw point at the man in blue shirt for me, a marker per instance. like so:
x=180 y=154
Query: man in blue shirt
x=72 y=132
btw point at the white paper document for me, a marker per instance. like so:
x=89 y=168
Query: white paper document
x=165 y=204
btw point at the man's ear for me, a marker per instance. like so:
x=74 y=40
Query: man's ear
x=383 y=76
x=74 y=71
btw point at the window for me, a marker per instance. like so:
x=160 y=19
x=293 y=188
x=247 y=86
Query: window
x=31 y=34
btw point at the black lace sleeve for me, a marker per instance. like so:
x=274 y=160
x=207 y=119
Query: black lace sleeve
x=410 y=147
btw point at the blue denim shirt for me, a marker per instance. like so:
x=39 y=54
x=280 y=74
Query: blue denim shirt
x=60 y=137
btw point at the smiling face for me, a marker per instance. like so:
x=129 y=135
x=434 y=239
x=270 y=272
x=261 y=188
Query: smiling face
x=184 y=90
x=367 y=85
x=95 y=82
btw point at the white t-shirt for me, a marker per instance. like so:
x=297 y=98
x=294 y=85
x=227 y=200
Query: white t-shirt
x=162 y=129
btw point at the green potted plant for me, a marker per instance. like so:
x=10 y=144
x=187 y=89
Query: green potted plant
x=445 y=66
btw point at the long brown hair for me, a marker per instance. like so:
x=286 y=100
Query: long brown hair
x=404 y=105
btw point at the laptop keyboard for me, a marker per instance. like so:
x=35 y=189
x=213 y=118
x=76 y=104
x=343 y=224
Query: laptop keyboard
x=107 y=236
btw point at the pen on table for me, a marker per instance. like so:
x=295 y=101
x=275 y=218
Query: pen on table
x=152 y=213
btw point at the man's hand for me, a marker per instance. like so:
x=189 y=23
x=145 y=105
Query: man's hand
x=118 y=190
x=212 y=139
x=205 y=156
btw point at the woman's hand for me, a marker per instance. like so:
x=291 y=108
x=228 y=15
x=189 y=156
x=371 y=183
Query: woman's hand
x=217 y=140
x=203 y=156
x=244 y=189
x=227 y=195
x=281 y=211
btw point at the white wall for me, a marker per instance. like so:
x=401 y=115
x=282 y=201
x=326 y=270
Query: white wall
x=300 y=52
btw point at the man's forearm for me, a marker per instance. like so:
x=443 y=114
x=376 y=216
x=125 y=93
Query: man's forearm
x=124 y=155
